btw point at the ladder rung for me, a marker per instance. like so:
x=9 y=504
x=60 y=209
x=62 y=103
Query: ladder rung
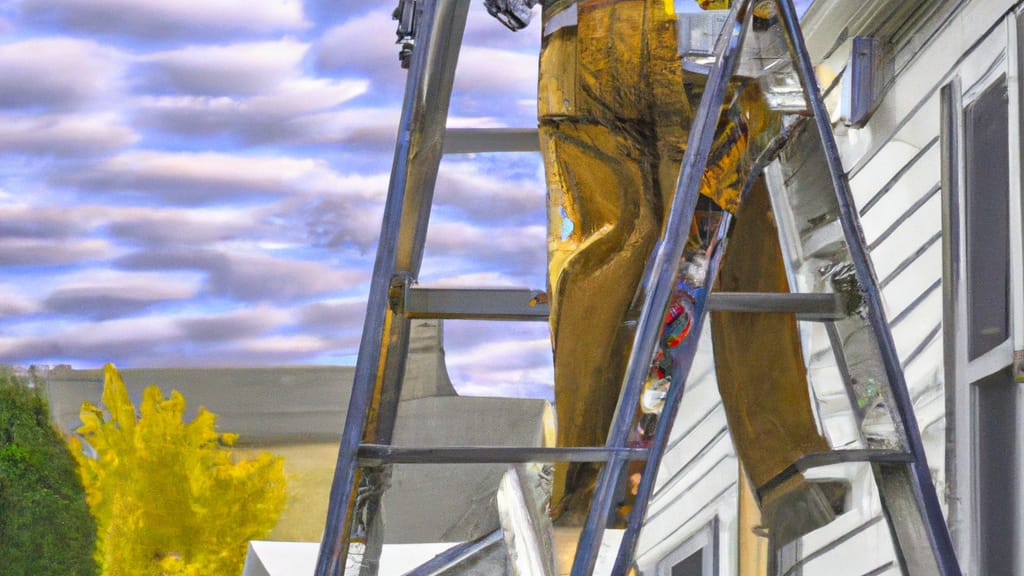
x=521 y=304
x=808 y=307
x=377 y=454
x=475 y=304
x=820 y=459
x=472 y=140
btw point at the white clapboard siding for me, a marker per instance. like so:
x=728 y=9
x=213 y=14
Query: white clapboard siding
x=894 y=165
x=855 y=553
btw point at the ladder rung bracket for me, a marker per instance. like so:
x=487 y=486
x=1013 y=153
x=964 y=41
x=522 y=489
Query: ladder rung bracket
x=522 y=304
x=819 y=459
x=479 y=140
x=378 y=454
x=475 y=304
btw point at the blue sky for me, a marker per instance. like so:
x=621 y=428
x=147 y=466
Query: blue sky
x=201 y=182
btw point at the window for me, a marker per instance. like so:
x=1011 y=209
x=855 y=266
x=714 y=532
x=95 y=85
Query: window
x=692 y=565
x=697 y=556
x=982 y=464
x=995 y=489
x=987 y=191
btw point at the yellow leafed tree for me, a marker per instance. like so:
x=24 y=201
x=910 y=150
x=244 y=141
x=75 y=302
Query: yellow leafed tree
x=168 y=496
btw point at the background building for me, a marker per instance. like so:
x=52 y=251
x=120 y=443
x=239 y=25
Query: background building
x=298 y=412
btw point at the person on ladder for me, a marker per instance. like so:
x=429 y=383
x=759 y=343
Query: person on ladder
x=614 y=109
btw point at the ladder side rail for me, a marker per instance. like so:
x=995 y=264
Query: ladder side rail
x=705 y=301
x=380 y=429
x=421 y=165
x=406 y=213
x=658 y=285
x=673 y=398
x=920 y=478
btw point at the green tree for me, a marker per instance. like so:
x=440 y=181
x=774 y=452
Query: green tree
x=45 y=525
x=168 y=496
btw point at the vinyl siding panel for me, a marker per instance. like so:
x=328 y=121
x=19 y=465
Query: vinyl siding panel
x=894 y=165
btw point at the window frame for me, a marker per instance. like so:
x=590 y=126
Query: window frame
x=705 y=541
x=963 y=375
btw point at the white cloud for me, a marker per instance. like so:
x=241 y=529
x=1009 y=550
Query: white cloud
x=246 y=323
x=490 y=194
x=264 y=277
x=459 y=251
x=176 y=227
x=372 y=128
x=487 y=71
x=334 y=315
x=484 y=30
x=502 y=355
x=463 y=238
x=240 y=68
x=57 y=73
x=238 y=337
x=149 y=226
x=97 y=279
x=265 y=350
x=229 y=256
x=474 y=122
x=305 y=95
x=204 y=177
x=362 y=44
x=44 y=222
x=108 y=294
x=64 y=135
x=250 y=276
x=51 y=251
x=158 y=19
x=512 y=359
x=334 y=222
x=284 y=346
x=92 y=342
x=493 y=60
x=13 y=302
x=298 y=112
x=473 y=280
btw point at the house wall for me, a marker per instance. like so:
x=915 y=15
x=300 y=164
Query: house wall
x=894 y=164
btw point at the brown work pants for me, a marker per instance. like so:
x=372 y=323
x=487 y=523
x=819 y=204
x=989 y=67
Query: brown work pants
x=614 y=110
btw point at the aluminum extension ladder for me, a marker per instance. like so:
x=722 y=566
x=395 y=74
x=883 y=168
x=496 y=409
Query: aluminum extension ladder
x=909 y=500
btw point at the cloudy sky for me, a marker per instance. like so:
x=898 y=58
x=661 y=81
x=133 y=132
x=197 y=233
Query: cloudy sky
x=201 y=182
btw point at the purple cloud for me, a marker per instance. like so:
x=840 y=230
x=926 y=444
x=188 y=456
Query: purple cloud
x=155 y=19
x=37 y=73
x=250 y=276
x=107 y=295
x=202 y=177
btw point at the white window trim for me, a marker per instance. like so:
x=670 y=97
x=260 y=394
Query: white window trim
x=962 y=373
x=706 y=541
